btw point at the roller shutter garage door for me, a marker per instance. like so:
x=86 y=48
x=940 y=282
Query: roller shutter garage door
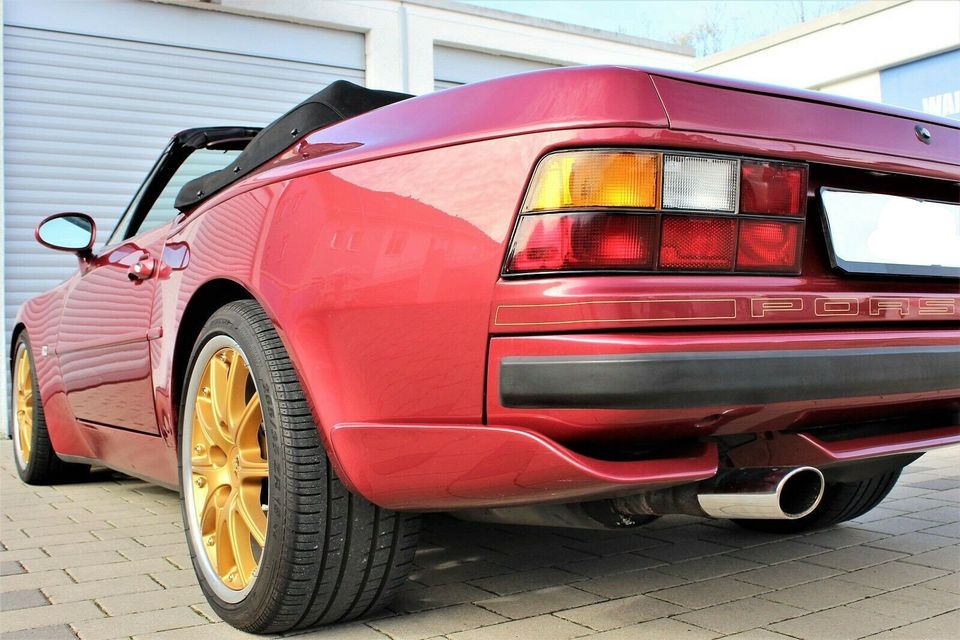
x=453 y=67
x=86 y=115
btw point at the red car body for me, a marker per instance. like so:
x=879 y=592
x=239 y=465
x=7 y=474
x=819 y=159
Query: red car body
x=376 y=246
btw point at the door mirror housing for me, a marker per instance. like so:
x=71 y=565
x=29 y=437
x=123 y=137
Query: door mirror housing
x=69 y=231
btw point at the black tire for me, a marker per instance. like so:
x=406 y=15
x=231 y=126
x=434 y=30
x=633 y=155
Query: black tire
x=40 y=464
x=841 y=501
x=329 y=555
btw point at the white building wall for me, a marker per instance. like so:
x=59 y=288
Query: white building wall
x=865 y=87
x=453 y=66
x=380 y=22
x=402 y=36
x=4 y=369
x=843 y=52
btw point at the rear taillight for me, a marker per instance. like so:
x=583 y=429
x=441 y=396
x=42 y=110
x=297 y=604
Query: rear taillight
x=638 y=210
x=769 y=245
x=773 y=188
x=564 y=242
x=594 y=178
x=699 y=184
x=698 y=243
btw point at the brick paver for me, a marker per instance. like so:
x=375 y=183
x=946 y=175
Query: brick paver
x=106 y=559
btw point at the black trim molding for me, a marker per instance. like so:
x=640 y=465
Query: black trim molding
x=706 y=379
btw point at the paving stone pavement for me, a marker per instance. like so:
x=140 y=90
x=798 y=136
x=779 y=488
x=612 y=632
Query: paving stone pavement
x=106 y=559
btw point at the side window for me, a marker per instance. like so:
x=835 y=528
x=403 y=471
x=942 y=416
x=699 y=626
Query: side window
x=120 y=231
x=198 y=163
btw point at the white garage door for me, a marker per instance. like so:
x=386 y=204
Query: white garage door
x=87 y=115
x=453 y=67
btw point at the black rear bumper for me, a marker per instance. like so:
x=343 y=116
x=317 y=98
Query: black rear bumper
x=709 y=379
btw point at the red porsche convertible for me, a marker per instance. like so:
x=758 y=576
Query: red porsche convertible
x=578 y=297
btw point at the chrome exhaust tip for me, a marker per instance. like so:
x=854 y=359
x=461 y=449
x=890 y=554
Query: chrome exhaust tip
x=777 y=493
x=761 y=493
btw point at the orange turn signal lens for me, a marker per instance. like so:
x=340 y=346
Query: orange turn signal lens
x=595 y=178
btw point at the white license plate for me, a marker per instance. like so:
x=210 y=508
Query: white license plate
x=878 y=233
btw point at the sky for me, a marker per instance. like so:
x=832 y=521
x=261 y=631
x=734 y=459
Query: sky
x=737 y=21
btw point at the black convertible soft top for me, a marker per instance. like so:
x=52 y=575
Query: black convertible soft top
x=339 y=101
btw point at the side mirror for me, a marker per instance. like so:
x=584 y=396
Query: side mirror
x=73 y=232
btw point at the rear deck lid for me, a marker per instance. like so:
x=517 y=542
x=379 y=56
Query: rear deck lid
x=714 y=105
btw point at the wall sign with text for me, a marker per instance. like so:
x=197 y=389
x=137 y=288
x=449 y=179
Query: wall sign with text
x=930 y=85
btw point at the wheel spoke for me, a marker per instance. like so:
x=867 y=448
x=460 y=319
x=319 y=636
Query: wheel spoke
x=254 y=469
x=240 y=535
x=219 y=391
x=251 y=512
x=23 y=373
x=207 y=477
x=248 y=424
x=209 y=516
x=26 y=437
x=205 y=417
x=226 y=554
x=200 y=464
x=207 y=509
x=25 y=440
x=235 y=402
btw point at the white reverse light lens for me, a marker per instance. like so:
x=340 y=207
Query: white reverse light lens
x=702 y=184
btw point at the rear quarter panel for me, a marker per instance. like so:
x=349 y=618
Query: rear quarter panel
x=378 y=276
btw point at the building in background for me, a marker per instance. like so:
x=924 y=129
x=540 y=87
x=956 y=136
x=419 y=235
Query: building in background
x=93 y=89
x=899 y=52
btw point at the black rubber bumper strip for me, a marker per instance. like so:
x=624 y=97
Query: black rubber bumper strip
x=708 y=379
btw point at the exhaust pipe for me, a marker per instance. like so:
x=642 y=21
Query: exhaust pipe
x=765 y=493
x=759 y=493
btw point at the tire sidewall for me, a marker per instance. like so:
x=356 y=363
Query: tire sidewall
x=230 y=322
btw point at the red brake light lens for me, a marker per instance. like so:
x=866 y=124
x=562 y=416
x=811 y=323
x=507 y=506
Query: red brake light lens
x=769 y=245
x=773 y=188
x=698 y=243
x=622 y=209
x=572 y=241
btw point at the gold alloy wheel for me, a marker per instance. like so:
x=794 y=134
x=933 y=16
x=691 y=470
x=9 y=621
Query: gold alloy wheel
x=229 y=469
x=23 y=392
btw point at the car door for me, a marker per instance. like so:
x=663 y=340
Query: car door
x=107 y=321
